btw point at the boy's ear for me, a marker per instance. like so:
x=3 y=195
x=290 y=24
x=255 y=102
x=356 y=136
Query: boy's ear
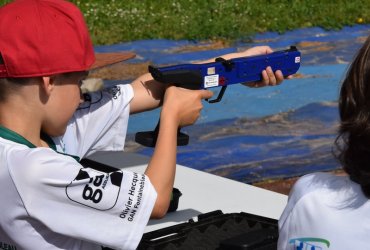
x=48 y=83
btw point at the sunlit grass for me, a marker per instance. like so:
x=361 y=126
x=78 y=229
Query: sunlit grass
x=112 y=21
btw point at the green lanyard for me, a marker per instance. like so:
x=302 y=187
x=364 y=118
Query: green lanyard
x=15 y=137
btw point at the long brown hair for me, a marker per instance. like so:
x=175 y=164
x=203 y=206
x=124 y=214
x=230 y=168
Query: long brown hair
x=353 y=141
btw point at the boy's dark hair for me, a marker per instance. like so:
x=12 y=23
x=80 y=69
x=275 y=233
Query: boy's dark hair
x=9 y=82
x=353 y=141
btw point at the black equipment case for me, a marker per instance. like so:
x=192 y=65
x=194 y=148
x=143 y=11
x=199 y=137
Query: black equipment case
x=216 y=230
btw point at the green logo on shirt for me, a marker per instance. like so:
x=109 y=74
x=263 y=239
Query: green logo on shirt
x=6 y=246
x=312 y=243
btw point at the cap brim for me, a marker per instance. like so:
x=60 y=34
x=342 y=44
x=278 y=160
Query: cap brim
x=105 y=59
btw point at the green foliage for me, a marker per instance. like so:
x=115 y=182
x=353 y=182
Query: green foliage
x=112 y=21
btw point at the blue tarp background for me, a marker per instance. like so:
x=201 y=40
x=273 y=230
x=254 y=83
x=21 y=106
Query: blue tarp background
x=265 y=133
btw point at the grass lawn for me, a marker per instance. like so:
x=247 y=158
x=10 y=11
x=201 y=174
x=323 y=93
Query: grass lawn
x=113 y=21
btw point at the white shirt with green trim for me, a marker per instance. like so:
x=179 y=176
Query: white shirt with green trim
x=50 y=201
x=325 y=211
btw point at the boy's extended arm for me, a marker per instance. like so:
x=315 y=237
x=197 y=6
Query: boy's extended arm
x=181 y=107
x=162 y=166
x=148 y=94
x=268 y=76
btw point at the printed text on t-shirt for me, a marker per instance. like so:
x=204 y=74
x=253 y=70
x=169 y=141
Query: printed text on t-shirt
x=135 y=194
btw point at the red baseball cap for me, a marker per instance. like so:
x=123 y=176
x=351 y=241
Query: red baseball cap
x=46 y=37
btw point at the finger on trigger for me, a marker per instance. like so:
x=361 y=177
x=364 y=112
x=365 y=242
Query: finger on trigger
x=206 y=94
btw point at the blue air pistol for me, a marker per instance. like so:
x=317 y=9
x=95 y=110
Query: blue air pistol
x=220 y=73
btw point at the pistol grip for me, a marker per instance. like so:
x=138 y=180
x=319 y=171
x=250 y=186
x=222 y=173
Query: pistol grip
x=149 y=138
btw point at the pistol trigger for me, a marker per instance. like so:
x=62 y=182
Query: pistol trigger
x=219 y=97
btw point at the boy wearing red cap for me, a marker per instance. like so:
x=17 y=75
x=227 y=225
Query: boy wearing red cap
x=49 y=200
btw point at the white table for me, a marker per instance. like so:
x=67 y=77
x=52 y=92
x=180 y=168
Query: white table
x=202 y=192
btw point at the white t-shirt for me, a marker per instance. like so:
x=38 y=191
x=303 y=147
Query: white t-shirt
x=50 y=201
x=325 y=211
